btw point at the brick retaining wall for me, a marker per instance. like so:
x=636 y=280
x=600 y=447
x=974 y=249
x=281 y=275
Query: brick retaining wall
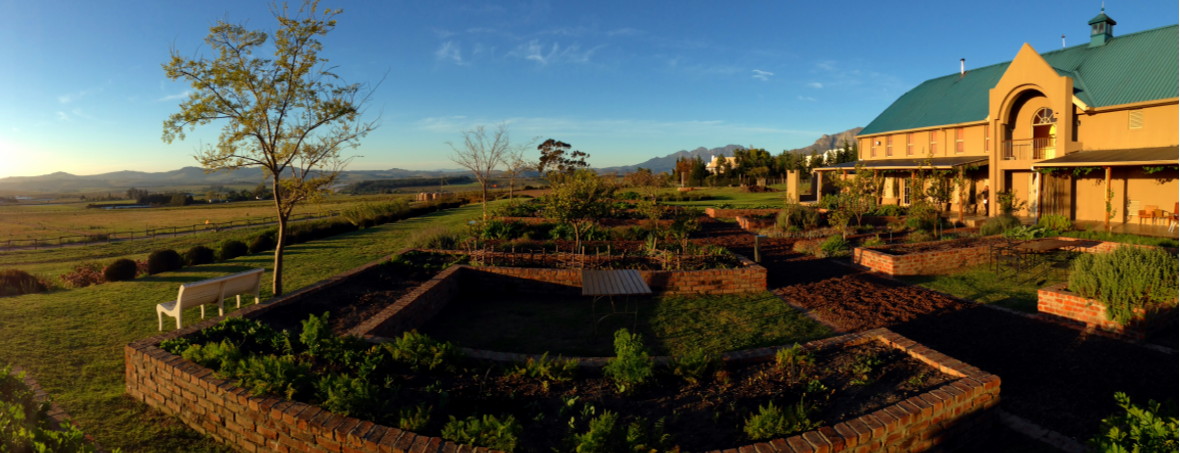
x=950 y=414
x=726 y=213
x=1058 y=301
x=922 y=263
x=925 y=263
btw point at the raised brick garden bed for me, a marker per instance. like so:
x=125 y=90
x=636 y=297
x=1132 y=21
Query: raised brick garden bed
x=922 y=263
x=1059 y=302
x=949 y=414
x=727 y=213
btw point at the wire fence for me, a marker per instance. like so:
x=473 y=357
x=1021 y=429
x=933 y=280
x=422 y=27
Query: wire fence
x=149 y=233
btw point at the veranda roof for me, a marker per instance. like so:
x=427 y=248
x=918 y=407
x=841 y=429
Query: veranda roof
x=1167 y=155
x=936 y=163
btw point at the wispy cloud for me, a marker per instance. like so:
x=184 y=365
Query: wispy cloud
x=73 y=97
x=173 y=97
x=762 y=75
x=594 y=128
x=805 y=98
x=73 y=114
x=626 y=31
x=815 y=85
x=449 y=51
x=553 y=53
x=62 y=116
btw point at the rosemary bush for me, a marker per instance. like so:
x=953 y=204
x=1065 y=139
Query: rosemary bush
x=1125 y=279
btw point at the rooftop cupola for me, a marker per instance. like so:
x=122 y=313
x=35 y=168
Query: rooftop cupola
x=1101 y=29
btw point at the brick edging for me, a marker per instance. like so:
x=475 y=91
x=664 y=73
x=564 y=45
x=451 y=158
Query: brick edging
x=228 y=413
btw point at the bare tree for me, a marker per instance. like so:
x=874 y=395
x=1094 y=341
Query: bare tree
x=482 y=153
x=515 y=165
x=288 y=114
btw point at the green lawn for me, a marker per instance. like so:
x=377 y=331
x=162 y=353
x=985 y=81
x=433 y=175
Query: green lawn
x=670 y=325
x=72 y=340
x=735 y=197
x=982 y=284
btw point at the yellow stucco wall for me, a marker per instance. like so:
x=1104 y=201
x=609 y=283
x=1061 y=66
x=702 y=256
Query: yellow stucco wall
x=1133 y=190
x=1109 y=128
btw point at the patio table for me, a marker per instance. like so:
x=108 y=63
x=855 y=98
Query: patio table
x=609 y=284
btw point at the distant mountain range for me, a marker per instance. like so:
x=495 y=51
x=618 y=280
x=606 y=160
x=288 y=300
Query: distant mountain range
x=194 y=177
x=668 y=162
x=120 y=181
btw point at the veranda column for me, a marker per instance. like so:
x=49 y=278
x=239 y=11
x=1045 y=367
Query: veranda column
x=1108 y=199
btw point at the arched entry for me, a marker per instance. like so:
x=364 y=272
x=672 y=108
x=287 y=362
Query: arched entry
x=1044 y=126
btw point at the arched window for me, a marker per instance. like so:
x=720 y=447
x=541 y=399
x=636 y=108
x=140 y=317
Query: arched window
x=1044 y=117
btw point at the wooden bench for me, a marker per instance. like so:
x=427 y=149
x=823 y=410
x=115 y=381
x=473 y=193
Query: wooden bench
x=212 y=291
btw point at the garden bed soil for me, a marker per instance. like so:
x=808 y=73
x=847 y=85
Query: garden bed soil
x=1057 y=377
x=937 y=246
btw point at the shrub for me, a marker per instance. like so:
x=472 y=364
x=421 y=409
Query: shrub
x=348 y=395
x=263 y=242
x=1138 y=429
x=546 y=369
x=606 y=434
x=1026 y=232
x=1125 y=279
x=122 y=269
x=199 y=255
x=435 y=237
x=834 y=245
x=1055 y=222
x=771 y=422
x=84 y=275
x=920 y=236
x=25 y=424
x=414 y=418
x=998 y=225
x=164 y=261
x=17 y=282
x=805 y=247
x=890 y=210
x=694 y=365
x=793 y=361
x=487 y=431
x=874 y=241
x=632 y=365
x=798 y=216
x=421 y=352
x=231 y=249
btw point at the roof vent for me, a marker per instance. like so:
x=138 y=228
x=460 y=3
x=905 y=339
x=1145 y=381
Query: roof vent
x=962 y=67
x=1101 y=29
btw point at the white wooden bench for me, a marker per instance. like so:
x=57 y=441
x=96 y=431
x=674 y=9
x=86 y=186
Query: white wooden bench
x=214 y=290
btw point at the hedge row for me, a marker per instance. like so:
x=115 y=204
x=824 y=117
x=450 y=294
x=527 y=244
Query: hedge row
x=16 y=282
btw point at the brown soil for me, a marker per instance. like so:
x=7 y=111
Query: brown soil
x=361 y=298
x=852 y=303
x=935 y=246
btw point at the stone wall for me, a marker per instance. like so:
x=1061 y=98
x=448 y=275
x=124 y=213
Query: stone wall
x=727 y=213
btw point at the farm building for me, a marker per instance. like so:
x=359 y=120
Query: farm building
x=1064 y=131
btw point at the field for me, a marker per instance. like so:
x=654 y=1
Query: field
x=53 y=221
x=71 y=341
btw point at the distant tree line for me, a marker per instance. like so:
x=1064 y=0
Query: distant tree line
x=754 y=164
x=391 y=185
x=142 y=196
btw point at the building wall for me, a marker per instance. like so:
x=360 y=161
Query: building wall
x=1133 y=190
x=975 y=143
x=1109 y=128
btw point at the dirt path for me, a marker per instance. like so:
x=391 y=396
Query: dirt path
x=1056 y=377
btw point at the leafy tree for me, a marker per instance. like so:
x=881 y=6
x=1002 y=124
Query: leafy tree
x=554 y=158
x=482 y=153
x=288 y=114
x=577 y=199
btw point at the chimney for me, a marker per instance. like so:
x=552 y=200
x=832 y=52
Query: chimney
x=962 y=67
x=1063 y=41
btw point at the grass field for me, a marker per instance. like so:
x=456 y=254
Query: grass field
x=982 y=284
x=735 y=197
x=49 y=222
x=670 y=325
x=72 y=341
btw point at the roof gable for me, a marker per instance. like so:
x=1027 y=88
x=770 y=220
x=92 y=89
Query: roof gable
x=1133 y=68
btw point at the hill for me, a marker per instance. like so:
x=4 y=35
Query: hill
x=668 y=162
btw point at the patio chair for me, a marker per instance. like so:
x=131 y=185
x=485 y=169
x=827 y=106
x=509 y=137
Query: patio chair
x=1150 y=212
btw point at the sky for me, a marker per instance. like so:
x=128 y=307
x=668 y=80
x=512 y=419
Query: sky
x=82 y=89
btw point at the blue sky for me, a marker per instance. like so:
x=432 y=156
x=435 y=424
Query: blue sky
x=82 y=91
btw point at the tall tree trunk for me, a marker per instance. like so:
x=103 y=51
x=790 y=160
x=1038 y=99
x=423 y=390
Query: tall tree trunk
x=484 y=187
x=277 y=281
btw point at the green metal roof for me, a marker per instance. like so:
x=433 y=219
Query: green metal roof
x=1132 y=68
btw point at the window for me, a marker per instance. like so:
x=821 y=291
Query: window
x=987 y=138
x=873 y=147
x=1044 y=117
x=889 y=146
x=1135 y=119
x=909 y=144
x=933 y=142
x=958 y=140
